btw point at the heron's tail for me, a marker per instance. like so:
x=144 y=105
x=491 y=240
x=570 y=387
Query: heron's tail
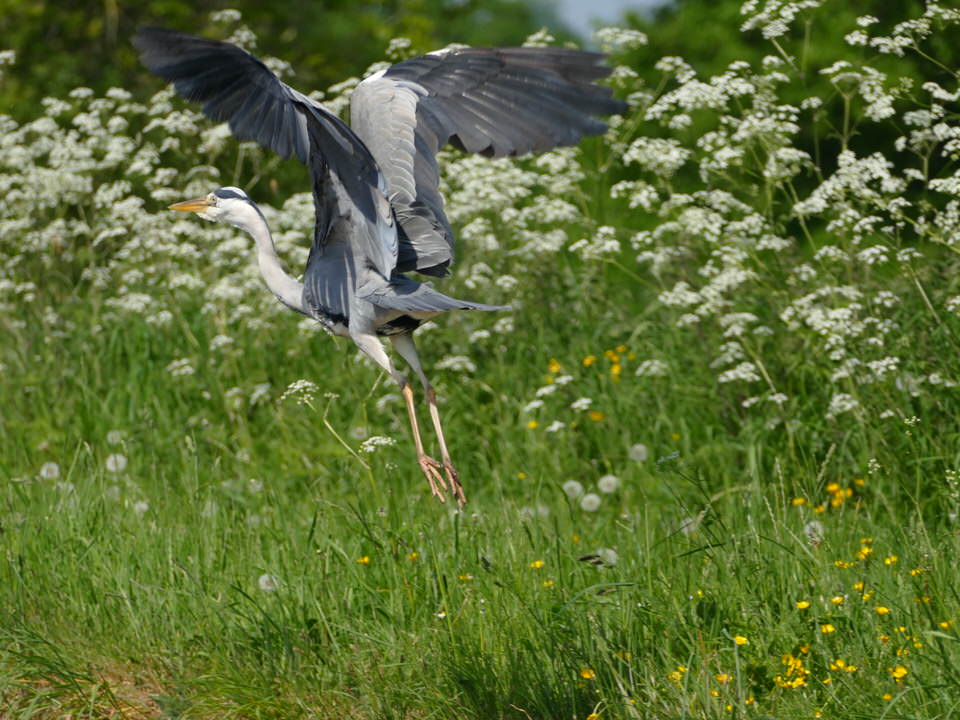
x=402 y=293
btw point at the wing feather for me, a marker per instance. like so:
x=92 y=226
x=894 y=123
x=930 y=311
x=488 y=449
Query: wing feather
x=236 y=87
x=495 y=102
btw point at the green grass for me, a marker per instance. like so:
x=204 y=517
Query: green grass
x=767 y=559
x=109 y=613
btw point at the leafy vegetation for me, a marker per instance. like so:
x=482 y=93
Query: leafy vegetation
x=711 y=454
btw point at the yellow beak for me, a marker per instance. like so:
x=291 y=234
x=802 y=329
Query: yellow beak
x=198 y=205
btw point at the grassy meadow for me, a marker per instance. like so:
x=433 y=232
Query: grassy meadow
x=711 y=455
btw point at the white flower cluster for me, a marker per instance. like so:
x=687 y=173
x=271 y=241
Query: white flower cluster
x=375 y=442
x=798 y=257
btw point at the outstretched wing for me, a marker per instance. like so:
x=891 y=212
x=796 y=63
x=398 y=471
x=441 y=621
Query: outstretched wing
x=496 y=102
x=236 y=87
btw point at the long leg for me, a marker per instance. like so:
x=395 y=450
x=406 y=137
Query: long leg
x=371 y=346
x=408 y=350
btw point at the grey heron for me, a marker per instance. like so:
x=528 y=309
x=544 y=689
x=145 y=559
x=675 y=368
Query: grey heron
x=379 y=212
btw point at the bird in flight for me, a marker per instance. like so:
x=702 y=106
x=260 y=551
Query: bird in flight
x=379 y=212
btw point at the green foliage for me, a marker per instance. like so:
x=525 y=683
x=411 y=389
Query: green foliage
x=65 y=45
x=711 y=455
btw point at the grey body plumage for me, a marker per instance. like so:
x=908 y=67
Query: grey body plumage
x=379 y=212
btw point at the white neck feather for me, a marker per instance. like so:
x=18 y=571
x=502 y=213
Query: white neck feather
x=287 y=289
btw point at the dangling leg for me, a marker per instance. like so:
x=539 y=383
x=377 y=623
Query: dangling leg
x=371 y=346
x=404 y=345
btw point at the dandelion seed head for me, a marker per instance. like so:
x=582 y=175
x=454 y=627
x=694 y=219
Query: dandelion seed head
x=267 y=583
x=608 y=484
x=638 y=452
x=573 y=489
x=116 y=463
x=590 y=502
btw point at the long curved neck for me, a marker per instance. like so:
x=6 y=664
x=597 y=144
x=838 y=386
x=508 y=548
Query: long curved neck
x=287 y=289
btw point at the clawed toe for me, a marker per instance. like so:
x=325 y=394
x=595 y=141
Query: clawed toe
x=440 y=483
x=431 y=470
x=453 y=477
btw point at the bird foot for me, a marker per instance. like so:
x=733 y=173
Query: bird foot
x=431 y=470
x=453 y=477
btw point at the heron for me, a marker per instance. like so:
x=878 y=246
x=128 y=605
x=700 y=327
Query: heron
x=379 y=211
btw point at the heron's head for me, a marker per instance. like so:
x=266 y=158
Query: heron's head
x=227 y=204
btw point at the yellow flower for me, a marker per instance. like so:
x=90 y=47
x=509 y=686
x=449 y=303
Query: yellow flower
x=532 y=424
x=740 y=640
x=623 y=655
x=365 y=560
x=596 y=415
x=723 y=678
x=843 y=564
x=675 y=437
x=587 y=674
x=833 y=487
x=465 y=577
x=798 y=501
x=537 y=564
x=864 y=552
x=827 y=628
x=887 y=696
x=837 y=599
x=589 y=360
x=859 y=482
x=521 y=475
x=548 y=583
x=882 y=609
x=859 y=585
x=576 y=539
x=413 y=556
x=802 y=604
x=554 y=366
x=899 y=672
x=915 y=572
x=593 y=716
x=621 y=348
x=946 y=624
x=890 y=560
x=749 y=701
